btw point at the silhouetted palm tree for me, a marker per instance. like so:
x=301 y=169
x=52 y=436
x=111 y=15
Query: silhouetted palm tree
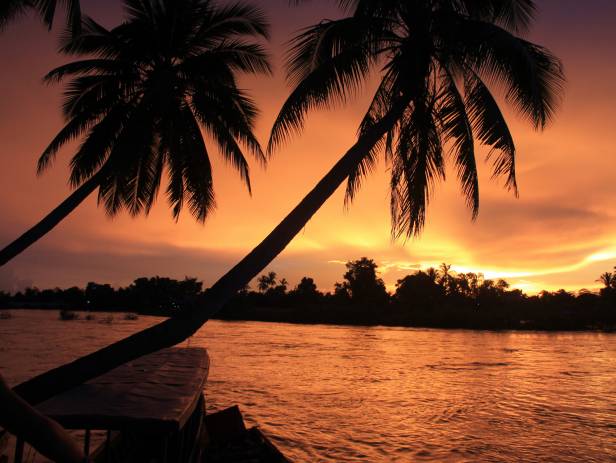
x=444 y=271
x=436 y=60
x=432 y=274
x=46 y=9
x=265 y=282
x=608 y=279
x=140 y=99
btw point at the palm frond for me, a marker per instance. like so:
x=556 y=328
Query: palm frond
x=514 y=15
x=456 y=128
x=234 y=55
x=11 y=10
x=325 y=72
x=95 y=148
x=416 y=167
x=229 y=148
x=95 y=40
x=73 y=13
x=47 y=10
x=93 y=93
x=532 y=76
x=144 y=181
x=190 y=173
x=491 y=129
x=87 y=66
x=132 y=163
x=230 y=21
x=381 y=104
x=198 y=173
x=230 y=111
x=71 y=131
x=176 y=189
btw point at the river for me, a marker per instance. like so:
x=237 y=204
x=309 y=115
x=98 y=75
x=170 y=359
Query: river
x=379 y=394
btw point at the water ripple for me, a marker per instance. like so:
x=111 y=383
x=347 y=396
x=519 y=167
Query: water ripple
x=357 y=394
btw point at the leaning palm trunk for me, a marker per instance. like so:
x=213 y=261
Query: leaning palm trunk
x=50 y=220
x=177 y=329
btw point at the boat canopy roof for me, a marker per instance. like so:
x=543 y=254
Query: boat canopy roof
x=157 y=393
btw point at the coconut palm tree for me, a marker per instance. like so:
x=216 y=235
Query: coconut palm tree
x=140 y=99
x=437 y=61
x=46 y=9
x=265 y=282
x=608 y=279
x=445 y=277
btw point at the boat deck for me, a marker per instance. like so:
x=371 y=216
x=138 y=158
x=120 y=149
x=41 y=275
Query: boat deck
x=156 y=393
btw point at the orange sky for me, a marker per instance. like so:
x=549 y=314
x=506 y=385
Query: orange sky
x=561 y=232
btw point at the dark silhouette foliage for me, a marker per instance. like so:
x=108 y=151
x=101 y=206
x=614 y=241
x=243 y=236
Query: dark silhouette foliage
x=419 y=290
x=140 y=98
x=609 y=281
x=432 y=298
x=305 y=292
x=46 y=9
x=143 y=90
x=361 y=284
x=440 y=64
x=266 y=282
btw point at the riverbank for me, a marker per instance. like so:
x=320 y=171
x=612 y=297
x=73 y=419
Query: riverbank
x=591 y=319
x=431 y=298
x=352 y=316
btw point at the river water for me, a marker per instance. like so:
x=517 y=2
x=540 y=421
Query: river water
x=381 y=394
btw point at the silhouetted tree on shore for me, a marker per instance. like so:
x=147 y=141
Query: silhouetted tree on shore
x=155 y=295
x=609 y=282
x=361 y=285
x=99 y=296
x=419 y=290
x=306 y=292
x=266 y=282
x=420 y=299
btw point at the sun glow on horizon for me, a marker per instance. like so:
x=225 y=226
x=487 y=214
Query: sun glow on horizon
x=518 y=278
x=560 y=233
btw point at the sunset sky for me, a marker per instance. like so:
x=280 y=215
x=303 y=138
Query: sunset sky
x=560 y=232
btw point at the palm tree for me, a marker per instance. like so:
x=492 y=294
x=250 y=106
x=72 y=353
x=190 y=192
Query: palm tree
x=46 y=9
x=608 y=279
x=432 y=274
x=445 y=276
x=437 y=59
x=265 y=282
x=140 y=99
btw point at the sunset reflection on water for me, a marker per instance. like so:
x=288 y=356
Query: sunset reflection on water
x=331 y=393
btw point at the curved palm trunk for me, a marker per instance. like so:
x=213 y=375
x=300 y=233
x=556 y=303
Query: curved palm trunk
x=177 y=329
x=50 y=220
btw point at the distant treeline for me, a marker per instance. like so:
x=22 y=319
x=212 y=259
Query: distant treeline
x=430 y=298
x=153 y=296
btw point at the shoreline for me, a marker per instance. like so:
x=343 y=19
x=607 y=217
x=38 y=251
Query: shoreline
x=315 y=322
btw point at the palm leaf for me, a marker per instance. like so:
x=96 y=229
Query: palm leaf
x=532 y=76
x=491 y=129
x=416 y=166
x=326 y=67
x=456 y=128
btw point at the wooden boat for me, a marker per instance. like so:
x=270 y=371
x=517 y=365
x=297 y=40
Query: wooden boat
x=230 y=441
x=153 y=410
